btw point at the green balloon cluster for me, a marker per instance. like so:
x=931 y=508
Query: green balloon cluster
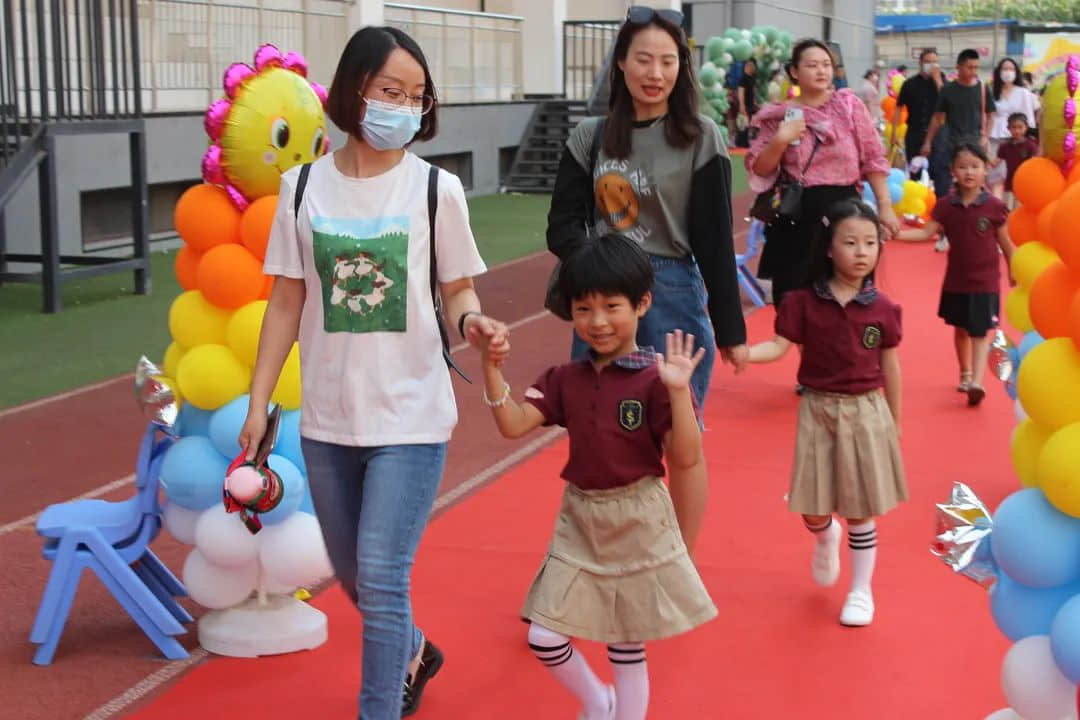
x=769 y=46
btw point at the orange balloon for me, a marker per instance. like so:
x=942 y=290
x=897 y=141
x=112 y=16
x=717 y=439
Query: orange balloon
x=931 y=201
x=903 y=114
x=1045 y=224
x=230 y=276
x=1074 y=319
x=1052 y=294
x=1023 y=225
x=187 y=268
x=255 y=225
x=267 y=287
x=205 y=217
x=1074 y=174
x=1038 y=180
x=888 y=104
x=1065 y=237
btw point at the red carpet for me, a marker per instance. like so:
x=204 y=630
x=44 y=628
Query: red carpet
x=776 y=651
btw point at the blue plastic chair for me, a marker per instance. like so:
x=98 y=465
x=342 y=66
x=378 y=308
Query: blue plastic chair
x=112 y=540
x=754 y=238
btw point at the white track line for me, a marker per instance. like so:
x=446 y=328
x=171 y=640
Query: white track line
x=64 y=395
x=159 y=677
x=96 y=492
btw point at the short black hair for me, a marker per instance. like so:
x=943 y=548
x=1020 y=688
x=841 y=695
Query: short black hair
x=821 y=265
x=1015 y=117
x=925 y=52
x=363 y=57
x=610 y=265
x=969 y=145
x=967 y=54
x=801 y=47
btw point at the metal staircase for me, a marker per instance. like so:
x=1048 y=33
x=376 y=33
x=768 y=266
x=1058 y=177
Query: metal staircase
x=542 y=144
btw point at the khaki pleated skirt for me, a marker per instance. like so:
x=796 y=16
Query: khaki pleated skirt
x=847 y=457
x=617 y=569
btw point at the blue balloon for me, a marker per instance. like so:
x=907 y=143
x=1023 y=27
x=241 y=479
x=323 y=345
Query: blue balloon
x=896 y=175
x=288 y=441
x=1029 y=341
x=1065 y=639
x=1020 y=611
x=225 y=426
x=1034 y=543
x=193 y=421
x=895 y=192
x=307 y=504
x=292 y=480
x=193 y=473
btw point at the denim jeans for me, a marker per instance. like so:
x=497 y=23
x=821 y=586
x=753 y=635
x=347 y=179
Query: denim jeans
x=679 y=302
x=373 y=504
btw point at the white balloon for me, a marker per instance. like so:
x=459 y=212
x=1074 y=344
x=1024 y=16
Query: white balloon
x=223 y=539
x=1019 y=411
x=217 y=587
x=272 y=586
x=1032 y=683
x=293 y=551
x=180 y=522
x=1004 y=714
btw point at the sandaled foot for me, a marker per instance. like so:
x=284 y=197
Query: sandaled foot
x=858 y=609
x=965 y=382
x=610 y=690
x=975 y=394
x=825 y=565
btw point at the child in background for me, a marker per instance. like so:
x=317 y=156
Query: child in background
x=1019 y=148
x=847 y=451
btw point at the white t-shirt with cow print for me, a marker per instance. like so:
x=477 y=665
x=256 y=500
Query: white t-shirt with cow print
x=370 y=352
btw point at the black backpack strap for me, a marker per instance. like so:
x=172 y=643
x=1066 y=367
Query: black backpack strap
x=594 y=154
x=436 y=297
x=301 y=183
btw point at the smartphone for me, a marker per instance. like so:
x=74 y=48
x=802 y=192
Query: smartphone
x=793 y=112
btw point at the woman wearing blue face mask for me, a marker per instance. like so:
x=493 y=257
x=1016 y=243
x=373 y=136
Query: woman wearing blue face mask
x=350 y=246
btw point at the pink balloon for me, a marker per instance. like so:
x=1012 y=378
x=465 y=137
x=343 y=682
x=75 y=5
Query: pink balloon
x=1072 y=73
x=1069 y=144
x=297 y=63
x=212 y=171
x=238 y=200
x=268 y=56
x=214 y=120
x=235 y=76
x=320 y=91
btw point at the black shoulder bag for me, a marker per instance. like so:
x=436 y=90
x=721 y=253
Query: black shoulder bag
x=554 y=300
x=783 y=201
x=433 y=206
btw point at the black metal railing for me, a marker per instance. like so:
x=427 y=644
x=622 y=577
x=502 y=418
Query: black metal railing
x=586 y=46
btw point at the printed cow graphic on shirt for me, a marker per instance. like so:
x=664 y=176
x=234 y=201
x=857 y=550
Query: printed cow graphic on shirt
x=363 y=267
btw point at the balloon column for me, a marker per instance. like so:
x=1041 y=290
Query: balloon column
x=215 y=325
x=911 y=200
x=768 y=46
x=1035 y=544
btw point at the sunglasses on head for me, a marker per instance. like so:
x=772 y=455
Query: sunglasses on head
x=643 y=15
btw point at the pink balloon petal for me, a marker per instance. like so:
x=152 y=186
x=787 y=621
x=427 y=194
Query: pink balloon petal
x=214 y=120
x=268 y=56
x=320 y=91
x=212 y=171
x=1069 y=112
x=235 y=76
x=297 y=63
x=1069 y=144
x=1072 y=73
x=237 y=198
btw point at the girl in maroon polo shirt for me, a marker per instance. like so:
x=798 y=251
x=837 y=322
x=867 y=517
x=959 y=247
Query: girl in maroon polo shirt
x=974 y=222
x=617 y=570
x=847 y=452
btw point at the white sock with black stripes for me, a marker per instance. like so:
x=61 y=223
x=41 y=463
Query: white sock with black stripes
x=570 y=668
x=631 y=680
x=862 y=540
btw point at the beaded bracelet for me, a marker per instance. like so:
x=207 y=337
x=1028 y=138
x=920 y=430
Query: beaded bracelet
x=501 y=401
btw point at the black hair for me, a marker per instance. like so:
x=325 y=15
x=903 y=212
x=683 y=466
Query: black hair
x=925 y=52
x=801 y=47
x=903 y=68
x=610 y=265
x=998 y=83
x=750 y=60
x=364 y=56
x=967 y=54
x=821 y=265
x=969 y=145
x=1017 y=116
x=871 y=71
x=683 y=124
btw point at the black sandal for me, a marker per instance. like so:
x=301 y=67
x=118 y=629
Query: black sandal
x=431 y=661
x=975 y=394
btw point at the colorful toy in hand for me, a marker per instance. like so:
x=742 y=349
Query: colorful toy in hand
x=251 y=487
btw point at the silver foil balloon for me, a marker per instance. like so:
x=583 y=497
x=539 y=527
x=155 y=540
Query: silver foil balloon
x=1001 y=356
x=155 y=398
x=962 y=538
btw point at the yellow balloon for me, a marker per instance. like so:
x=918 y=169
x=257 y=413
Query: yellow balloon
x=1059 y=469
x=1016 y=309
x=1027 y=441
x=901 y=131
x=1049 y=383
x=1029 y=260
x=914 y=190
x=275 y=122
x=1053 y=130
x=287 y=390
x=195 y=321
x=173 y=353
x=918 y=207
x=897 y=83
x=243 y=331
x=210 y=376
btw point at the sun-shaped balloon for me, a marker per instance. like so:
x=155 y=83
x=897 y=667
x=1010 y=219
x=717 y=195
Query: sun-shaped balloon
x=270 y=119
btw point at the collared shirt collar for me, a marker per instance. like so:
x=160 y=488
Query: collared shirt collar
x=866 y=296
x=954 y=198
x=640 y=359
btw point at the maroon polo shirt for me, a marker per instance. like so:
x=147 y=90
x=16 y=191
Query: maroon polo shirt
x=616 y=418
x=842 y=344
x=1015 y=153
x=974 y=264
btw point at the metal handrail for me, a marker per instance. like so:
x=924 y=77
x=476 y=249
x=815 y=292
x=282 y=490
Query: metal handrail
x=452 y=11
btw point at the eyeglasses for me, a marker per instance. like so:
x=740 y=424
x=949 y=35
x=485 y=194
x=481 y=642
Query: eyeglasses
x=420 y=104
x=643 y=15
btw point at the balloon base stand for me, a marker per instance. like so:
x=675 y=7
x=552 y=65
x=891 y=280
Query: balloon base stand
x=273 y=626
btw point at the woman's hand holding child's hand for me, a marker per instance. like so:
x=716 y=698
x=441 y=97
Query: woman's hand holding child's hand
x=677 y=365
x=489 y=336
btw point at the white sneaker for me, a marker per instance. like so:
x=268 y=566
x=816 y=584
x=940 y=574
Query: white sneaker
x=942 y=244
x=825 y=565
x=611 y=705
x=858 y=609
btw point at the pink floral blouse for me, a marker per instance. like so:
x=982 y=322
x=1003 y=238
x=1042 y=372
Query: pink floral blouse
x=850 y=146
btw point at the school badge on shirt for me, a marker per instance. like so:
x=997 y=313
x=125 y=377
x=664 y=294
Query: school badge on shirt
x=871 y=337
x=631 y=413
x=982 y=225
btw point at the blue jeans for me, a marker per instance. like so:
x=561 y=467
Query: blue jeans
x=373 y=504
x=679 y=302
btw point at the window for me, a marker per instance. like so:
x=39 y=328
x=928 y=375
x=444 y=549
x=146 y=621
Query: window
x=458 y=163
x=106 y=214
